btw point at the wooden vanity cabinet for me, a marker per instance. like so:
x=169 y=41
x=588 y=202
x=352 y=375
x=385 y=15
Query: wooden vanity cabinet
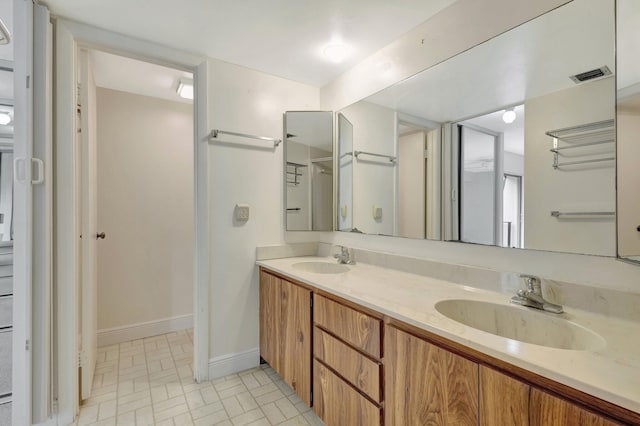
x=505 y=400
x=427 y=385
x=285 y=331
x=334 y=347
x=347 y=365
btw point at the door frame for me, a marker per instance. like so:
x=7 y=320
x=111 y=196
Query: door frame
x=70 y=36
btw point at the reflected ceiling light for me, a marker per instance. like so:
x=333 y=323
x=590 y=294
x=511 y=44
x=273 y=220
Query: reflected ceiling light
x=335 y=52
x=509 y=116
x=185 y=88
x=5 y=118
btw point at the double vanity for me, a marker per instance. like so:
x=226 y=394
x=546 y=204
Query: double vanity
x=396 y=345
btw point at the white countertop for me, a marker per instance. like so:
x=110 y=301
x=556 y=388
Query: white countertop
x=611 y=373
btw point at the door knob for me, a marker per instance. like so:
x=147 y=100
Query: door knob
x=101 y=236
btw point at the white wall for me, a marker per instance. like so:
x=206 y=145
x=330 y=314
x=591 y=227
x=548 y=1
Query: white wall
x=628 y=177
x=145 y=206
x=246 y=101
x=374 y=130
x=577 y=188
x=411 y=185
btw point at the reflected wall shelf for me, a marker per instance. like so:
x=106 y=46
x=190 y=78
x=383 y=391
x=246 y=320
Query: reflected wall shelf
x=577 y=137
x=293 y=169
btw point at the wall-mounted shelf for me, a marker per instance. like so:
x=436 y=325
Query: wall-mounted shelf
x=583 y=136
x=295 y=172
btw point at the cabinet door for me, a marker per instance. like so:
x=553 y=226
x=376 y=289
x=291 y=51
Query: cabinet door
x=425 y=384
x=548 y=410
x=270 y=318
x=295 y=338
x=503 y=400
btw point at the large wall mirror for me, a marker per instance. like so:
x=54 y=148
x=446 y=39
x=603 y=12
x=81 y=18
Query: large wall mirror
x=308 y=147
x=511 y=143
x=628 y=127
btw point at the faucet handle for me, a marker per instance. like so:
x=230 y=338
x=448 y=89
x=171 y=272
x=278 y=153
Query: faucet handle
x=532 y=283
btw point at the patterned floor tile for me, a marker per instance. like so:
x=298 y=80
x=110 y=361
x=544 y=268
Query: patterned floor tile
x=150 y=382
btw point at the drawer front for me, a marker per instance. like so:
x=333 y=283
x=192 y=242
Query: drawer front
x=356 y=328
x=337 y=403
x=361 y=371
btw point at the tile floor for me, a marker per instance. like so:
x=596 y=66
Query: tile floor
x=149 y=382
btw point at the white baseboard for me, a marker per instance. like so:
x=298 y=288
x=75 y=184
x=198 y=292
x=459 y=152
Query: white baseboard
x=111 y=336
x=232 y=363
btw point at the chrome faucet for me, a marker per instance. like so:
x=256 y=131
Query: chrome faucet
x=344 y=257
x=531 y=296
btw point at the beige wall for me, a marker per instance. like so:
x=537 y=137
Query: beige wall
x=577 y=188
x=411 y=185
x=145 y=206
x=374 y=179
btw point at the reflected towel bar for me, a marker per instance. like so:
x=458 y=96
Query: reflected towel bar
x=391 y=158
x=556 y=213
x=215 y=132
x=581 y=145
x=572 y=163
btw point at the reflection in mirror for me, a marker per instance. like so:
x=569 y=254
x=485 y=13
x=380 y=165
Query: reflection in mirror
x=510 y=143
x=309 y=170
x=6 y=157
x=628 y=128
x=345 y=174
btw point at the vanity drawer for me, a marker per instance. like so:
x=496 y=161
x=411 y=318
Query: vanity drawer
x=361 y=371
x=356 y=328
x=337 y=403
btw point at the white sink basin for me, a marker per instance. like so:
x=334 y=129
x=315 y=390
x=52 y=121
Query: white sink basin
x=522 y=324
x=321 y=267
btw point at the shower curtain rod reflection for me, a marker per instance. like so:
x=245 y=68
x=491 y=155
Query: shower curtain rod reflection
x=215 y=132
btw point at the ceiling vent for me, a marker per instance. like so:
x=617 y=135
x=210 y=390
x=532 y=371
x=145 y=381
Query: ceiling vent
x=591 y=74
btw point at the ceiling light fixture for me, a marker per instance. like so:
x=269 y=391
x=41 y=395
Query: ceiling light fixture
x=509 y=116
x=335 y=52
x=185 y=88
x=5 y=118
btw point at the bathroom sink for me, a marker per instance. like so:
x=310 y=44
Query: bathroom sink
x=321 y=267
x=522 y=324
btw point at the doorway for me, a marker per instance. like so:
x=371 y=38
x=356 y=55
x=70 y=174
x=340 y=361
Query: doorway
x=136 y=204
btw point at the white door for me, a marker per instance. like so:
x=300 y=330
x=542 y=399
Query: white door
x=89 y=219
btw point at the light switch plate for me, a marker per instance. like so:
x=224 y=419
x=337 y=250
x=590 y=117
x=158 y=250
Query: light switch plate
x=242 y=212
x=377 y=212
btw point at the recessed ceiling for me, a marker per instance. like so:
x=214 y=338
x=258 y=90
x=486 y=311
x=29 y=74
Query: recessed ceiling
x=133 y=76
x=280 y=37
